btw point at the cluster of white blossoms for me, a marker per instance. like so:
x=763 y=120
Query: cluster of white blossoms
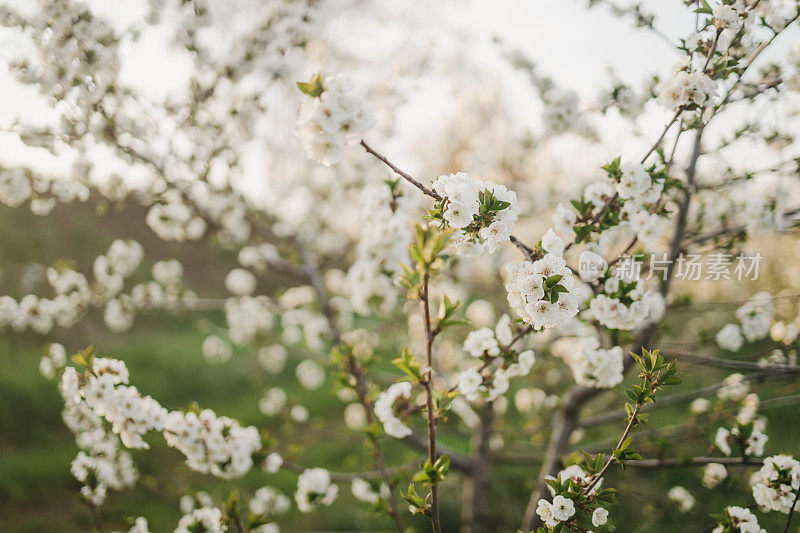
x=686 y=87
x=268 y=501
x=483 y=341
x=487 y=344
x=139 y=525
x=752 y=444
x=730 y=338
x=101 y=463
x=370 y=281
x=734 y=388
x=682 y=498
x=303 y=325
x=272 y=463
x=248 y=317
x=638 y=188
x=575 y=474
x=714 y=474
x=73 y=292
x=562 y=109
x=594 y=366
x=483 y=213
x=121 y=260
x=310 y=374
x=202 y=519
x=216 y=350
x=55 y=359
x=173 y=220
x=75 y=295
x=213 y=444
x=273 y=358
x=364 y=492
x=107 y=392
x=542 y=292
x=330 y=121
x=275 y=400
x=240 y=282
x=742 y=519
x=272 y=402
x=17 y=185
x=776 y=483
x=560 y=510
x=727 y=16
x=384 y=409
x=626 y=305
x=749 y=409
x=635 y=184
x=259 y=257
x=314 y=488
x=755 y=317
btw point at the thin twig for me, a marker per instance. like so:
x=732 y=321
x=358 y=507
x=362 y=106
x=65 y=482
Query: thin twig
x=596 y=479
x=427 y=383
x=433 y=194
x=791 y=511
x=354 y=367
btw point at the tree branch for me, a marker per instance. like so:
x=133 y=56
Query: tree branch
x=427 y=383
x=433 y=194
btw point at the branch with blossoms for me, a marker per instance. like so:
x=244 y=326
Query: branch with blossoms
x=308 y=273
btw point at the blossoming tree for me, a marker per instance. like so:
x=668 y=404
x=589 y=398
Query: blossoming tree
x=565 y=310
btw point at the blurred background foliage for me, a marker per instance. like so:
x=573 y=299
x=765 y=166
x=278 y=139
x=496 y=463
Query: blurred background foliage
x=162 y=351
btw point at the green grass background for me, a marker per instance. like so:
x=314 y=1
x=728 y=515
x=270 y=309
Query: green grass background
x=38 y=494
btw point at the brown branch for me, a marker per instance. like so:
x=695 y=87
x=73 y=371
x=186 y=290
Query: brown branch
x=791 y=511
x=596 y=479
x=750 y=62
x=427 y=383
x=354 y=367
x=458 y=461
x=477 y=516
x=350 y=476
x=674 y=462
x=733 y=363
x=663 y=134
x=433 y=194
x=526 y=250
x=676 y=399
x=568 y=417
x=733 y=230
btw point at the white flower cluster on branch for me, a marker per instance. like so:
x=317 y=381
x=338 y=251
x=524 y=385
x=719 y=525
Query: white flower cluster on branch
x=483 y=213
x=542 y=292
x=314 y=488
x=384 y=409
x=775 y=485
x=211 y=444
x=491 y=380
x=332 y=120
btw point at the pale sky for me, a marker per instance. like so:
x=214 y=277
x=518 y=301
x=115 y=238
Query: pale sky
x=574 y=45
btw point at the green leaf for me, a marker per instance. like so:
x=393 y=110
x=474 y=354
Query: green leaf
x=313 y=88
x=552 y=281
x=409 y=364
x=442 y=464
x=85 y=357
